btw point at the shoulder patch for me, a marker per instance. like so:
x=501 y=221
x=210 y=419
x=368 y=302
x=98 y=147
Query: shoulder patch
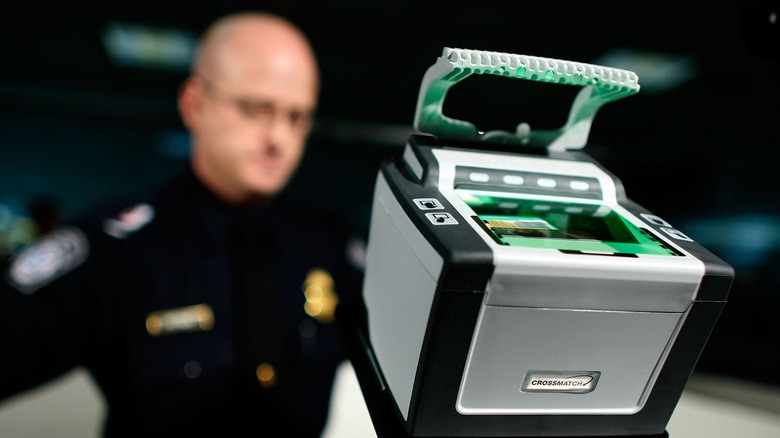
x=47 y=259
x=129 y=220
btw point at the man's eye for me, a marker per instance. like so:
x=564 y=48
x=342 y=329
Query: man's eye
x=300 y=118
x=254 y=110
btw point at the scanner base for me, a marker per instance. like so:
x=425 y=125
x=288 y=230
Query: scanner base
x=378 y=400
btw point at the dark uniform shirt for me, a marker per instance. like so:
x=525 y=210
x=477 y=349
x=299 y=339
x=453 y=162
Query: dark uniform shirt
x=195 y=318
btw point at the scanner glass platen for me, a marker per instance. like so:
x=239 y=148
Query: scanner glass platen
x=567 y=226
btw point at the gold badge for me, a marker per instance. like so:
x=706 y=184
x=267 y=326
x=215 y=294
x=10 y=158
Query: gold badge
x=188 y=319
x=321 y=299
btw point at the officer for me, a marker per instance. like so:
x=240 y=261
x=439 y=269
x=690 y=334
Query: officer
x=208 y=308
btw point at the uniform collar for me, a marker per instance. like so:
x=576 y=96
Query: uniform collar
x=220 y=220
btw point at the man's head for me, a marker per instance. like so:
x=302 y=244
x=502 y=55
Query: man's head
x=248 y=105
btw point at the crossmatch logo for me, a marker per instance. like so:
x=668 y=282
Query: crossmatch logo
x=578 y=382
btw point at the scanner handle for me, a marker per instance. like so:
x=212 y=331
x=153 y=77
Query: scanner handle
x=600 y=86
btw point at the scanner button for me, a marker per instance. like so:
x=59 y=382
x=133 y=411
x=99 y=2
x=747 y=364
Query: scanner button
x=428 y=204
x=655 y=220
x=479 y=177
x=441 y=218
x=676 y=234
x=548 y=183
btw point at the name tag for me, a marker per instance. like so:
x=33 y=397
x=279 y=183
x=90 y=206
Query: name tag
x=187 y=319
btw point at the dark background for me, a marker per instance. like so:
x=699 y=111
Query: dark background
x=76 y=128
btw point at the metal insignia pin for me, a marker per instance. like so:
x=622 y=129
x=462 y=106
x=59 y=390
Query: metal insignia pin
x=321 y=298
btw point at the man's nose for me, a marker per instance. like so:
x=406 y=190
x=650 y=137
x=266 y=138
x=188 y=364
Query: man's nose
x=278 y=129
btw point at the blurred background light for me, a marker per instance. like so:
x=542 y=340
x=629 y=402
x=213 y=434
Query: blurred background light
x=658 y=72
x=134 y=45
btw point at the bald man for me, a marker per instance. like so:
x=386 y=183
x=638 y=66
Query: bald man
x=249 y=106
x=207 y=308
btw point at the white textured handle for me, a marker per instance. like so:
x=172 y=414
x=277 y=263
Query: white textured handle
x=601 y=85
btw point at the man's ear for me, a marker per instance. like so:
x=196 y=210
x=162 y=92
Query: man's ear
x=189 y=102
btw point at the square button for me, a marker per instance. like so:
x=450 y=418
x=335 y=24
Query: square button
x=441 y=218
x=655 y=220
x=428 y=204
x=676 y=234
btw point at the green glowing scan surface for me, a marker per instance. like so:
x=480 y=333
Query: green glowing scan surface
x=565 y=226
